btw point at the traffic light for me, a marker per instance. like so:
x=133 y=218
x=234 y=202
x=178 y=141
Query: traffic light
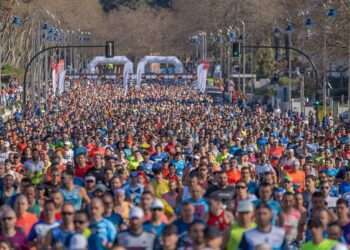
x=235 y=49
x=109 y=49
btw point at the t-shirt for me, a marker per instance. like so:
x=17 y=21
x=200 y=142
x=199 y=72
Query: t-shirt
x=274 y=205
x=236 y=233
x=253 y=238
x=18 y=241
x=346 y=233
x=116 y=219
x=102 y=231
x=40 y=229
x=298 y=178
x=344 y=187
x=26 y=221
x=155 y=229
x=324 y=245
x=144 y=241
x=160 y=188
x=182 y=227
x=225 y=194
x=201 y=207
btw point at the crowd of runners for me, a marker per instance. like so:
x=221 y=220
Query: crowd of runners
x=165 y=168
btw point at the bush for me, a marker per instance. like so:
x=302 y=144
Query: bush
x=284 y=81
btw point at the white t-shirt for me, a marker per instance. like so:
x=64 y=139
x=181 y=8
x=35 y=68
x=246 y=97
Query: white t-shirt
x=144 y=241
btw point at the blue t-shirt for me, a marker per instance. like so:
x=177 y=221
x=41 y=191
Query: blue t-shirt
x=252 y=238
x=180 y=166
x=344 y=187
x=157 y=157
x=102 y=232
x=61 y=237
x=182 y=227
x=275 y=207
x=116 y=219
x=155 y=229
x=234 y=150
x=346 y=233
x=201 y=207
x=252 y=187
x=134 y=193
x=40 y=229
x=262 y=141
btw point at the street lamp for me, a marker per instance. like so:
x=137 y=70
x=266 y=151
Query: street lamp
x=331 y=14
x=243 y=53
x=289 y=31
x=309 y=25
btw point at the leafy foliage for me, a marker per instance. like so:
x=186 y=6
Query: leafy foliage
x=9 y=70
x=265 y=62
x=109 y=5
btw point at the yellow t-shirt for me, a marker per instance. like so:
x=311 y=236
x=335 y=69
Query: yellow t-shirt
x=160 y=188
x=236 y=233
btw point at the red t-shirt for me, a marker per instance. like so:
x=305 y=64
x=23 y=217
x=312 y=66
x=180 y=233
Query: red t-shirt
x=82 y=171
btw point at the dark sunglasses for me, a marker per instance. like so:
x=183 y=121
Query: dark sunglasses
x=157 y=209
x=241 y=187
x=67 y=213
x=79 y=222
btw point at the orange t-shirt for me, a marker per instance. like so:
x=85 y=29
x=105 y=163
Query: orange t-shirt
x=298 y=177
x=233 y=175
x=276 y=151
x=26 y=221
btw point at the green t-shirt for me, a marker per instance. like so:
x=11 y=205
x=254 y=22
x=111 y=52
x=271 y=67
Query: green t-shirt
x=236 y=233
x=35 y=209
x=221 y=157
x=324 y=245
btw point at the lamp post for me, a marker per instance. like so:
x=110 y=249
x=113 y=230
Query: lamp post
x=243 y=54
x=1 y=28
x=331 y=13
x=349 y=76
x=289 y=33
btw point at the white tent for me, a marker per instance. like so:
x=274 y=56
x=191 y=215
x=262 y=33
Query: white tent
x=179 y=69
x=128 y=66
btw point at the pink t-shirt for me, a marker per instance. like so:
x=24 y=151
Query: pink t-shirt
x=18 y=240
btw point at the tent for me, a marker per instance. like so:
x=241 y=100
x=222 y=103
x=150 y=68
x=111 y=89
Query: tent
x=179 y=69
x=128 y=66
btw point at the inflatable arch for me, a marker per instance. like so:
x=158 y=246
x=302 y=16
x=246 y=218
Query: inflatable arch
x=179 y=69
x=128 y=66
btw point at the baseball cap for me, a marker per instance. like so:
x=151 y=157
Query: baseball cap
x=101 y=187
x=119 y=191
x=78 y=242
x=245 y=206
x=136 y=212
x=157 y=203
x=340 y=246
x=90 y=178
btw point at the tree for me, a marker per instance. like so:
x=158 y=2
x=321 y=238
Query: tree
x=265 y=62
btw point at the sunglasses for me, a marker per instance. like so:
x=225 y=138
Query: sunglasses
x=68 y=213
x=324 y=187
x=241 y=187
x=157 y=209
x=79 y=222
